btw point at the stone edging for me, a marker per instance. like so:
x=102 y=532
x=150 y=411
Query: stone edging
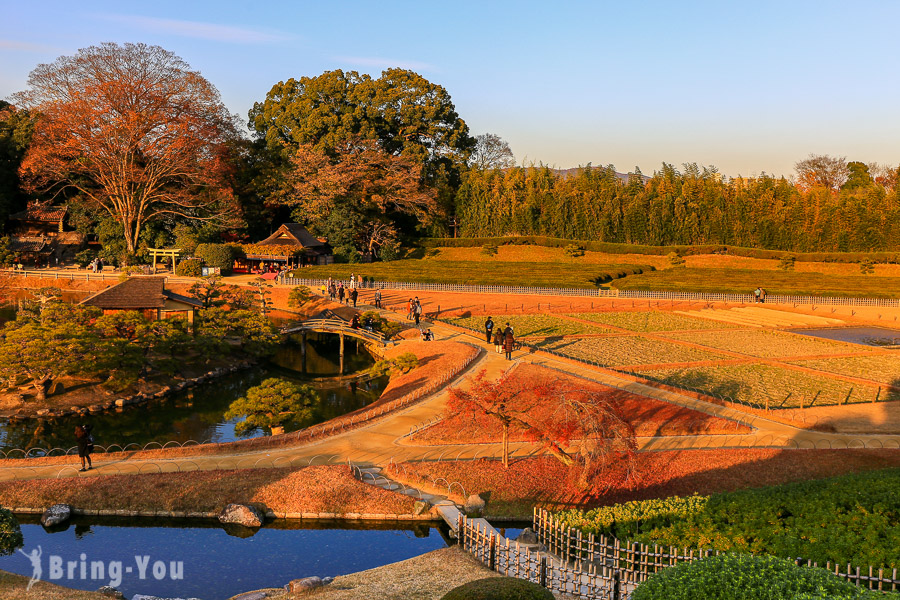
x=177 y=514
x=138 y=398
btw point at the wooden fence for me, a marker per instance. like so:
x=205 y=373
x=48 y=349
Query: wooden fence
x=636 y=561
x=523 y=562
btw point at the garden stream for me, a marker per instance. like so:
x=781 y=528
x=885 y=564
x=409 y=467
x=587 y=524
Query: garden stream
x=197 y=413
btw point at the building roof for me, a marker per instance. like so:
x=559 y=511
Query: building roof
x=28 y=244
x=135 y=294
x=41 y=212
x=292 y=234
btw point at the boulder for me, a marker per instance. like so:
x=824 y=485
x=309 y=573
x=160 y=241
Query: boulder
x=56 y=515
x=143 y=597
x=420 y=507
x=528 y=537
x=475 y=505
x=308 y=583
x=241 y=514
x=112 y=592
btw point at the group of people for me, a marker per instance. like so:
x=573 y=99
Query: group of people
x=96 y=265
x=503 y=338
x=337 y=291
x=759 y=295
x=414 y=310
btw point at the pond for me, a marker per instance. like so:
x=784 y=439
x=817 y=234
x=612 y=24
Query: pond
x=197 y=413
x=868 y=336
x=214 y=565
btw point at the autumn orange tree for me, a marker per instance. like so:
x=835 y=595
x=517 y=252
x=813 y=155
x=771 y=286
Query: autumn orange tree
x=364 y=187
x=131 y=130
x=578 y=427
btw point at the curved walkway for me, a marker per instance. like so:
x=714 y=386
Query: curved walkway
x=380 y=442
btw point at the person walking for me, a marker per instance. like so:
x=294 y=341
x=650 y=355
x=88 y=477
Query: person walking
x=332 y=291
x=352 y=281
x=354 y=294
x=498 y=338
x=378 y=299
x=417 y=312
x=488 y=329
x=409 y=309
x=85 y=443
x=756 y=294
x=762 y=295
x=508 y=341
x=341 y=292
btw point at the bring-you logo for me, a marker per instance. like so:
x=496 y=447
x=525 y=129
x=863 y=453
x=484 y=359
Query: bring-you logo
x=109 y=572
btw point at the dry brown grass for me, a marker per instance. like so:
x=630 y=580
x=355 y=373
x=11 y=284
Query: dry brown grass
x=330 y=489
x=12 y=587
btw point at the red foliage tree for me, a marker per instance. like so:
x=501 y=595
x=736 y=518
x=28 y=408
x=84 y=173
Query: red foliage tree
x=577 y=426
x=133 y=131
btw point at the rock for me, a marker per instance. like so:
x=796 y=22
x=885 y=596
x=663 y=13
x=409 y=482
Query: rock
x=251 y=596
x=56 y=515
x=475 y=505
x=308 y=583
x=121 y=401
x=528 y=537
x=43 y=412
x=112 y=592
x=420 y=507
x=95 y=408
x=241 y=514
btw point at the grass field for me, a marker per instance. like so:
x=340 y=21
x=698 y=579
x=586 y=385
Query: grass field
x=881 y=368
x=646 y=321
x=744 y=281
x=488 y=272
x=765 y=344
x=533 y=325
x=627 y=350
x=753 y=383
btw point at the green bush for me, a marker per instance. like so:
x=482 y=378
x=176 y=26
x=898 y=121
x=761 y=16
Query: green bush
x=489 y=250
x=675 y=259
x=574 y=250
x=190 y=267
x=498 y=588
x=84 y=258
x=849 y=519
x=10 y=533
x=787 y=262
x=216 y=255
x=746 y=577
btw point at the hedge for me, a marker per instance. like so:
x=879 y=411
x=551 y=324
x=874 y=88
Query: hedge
x=849 y=519
x=216 y=255
x=189 y=267
x=617 y=248
x=747 y=577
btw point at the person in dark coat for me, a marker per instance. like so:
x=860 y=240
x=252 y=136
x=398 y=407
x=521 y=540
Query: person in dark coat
x=508 y=341
x=354 y=294
x=488 y=329
x=498 y=338
x=341 y=294
x=85 y=442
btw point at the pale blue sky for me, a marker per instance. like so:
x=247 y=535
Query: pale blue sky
x=748 y=87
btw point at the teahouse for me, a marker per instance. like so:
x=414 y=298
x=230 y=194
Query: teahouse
x=147 y=295
x=290 y=246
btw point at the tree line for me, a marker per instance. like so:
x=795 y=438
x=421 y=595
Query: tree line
x=144 y=152
x=691 y=206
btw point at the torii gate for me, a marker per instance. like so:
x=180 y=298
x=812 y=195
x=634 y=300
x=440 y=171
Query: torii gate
x=173 y=253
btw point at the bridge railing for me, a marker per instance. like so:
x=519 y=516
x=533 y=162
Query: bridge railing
x=336 y=325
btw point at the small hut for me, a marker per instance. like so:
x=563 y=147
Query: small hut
x=147 y=295
x=291 y=245
x=39 y=237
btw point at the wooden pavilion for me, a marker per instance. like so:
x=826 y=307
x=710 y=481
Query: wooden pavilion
x=290 y=246
x=147 y=295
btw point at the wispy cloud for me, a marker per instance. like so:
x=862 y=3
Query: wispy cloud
x=385 y=63
x=26 y=46
x=198 y=29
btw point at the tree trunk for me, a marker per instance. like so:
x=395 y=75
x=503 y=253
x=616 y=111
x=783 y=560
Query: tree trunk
x=41 y=385
x=506 y=445
x=561 y=455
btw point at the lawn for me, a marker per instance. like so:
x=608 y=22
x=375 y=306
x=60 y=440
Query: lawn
x=545 y=481
x=487 y=272
x=627 y=350
x=533 y=325
x=648 y=416
x=647 y=321
x=753 y=383
x=766 y=344
x=744 y=281
x=883 y=368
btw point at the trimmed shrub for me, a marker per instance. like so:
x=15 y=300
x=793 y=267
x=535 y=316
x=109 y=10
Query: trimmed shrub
x=84 y=258
x=190 y=267
x=675 y=259
x=787 y=262
x=498 y=588
x=574 y=250
x=216 y=255
x=489 y=250
x=746 y=577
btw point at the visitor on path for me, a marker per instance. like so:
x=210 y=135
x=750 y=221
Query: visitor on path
x=409 y=309
x=508 y=341
x=332 y=292
x=354 y=322
x=427 y=336
x=488 y=329
x=324 y=290
x=352 y=281
x=498 y=339
x=756 y=294
x=341 y=292
x=378 y=299
x=85 y=442
x=99 y=265
x=762 y=295
x=354 y=294
x=330 y=282
x=417 y=312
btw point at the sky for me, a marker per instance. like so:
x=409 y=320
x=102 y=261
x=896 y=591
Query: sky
x=748 y=87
